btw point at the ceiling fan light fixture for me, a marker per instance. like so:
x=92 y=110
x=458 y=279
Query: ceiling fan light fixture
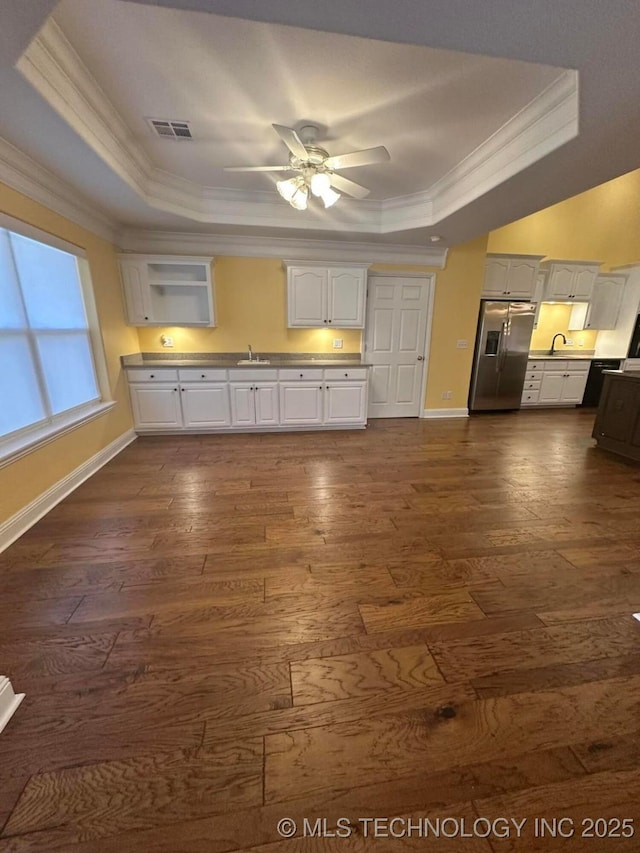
x=288 y=188
x=300 y=198
x=320 y=183
x=329 y=197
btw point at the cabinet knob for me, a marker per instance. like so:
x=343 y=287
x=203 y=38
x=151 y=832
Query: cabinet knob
x=146 y=318
x=320 y=387
x=324 y=321
x=301 y=375
x=347 y=375
x=420 y=358
x=203 y=376
x=329 y=320
x=152 y=376
x=175 y=389
x=327 y=387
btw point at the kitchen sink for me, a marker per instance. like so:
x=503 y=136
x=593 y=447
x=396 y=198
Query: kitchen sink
x=254 y=361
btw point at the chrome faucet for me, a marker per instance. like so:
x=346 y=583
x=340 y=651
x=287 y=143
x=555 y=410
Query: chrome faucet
x=251 y=352
x=553 y=342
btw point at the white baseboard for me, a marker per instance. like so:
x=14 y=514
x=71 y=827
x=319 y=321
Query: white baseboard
x=9 y=701
x=14 y=527
x=445 y=413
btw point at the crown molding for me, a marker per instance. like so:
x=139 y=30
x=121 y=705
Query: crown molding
x=55 y=70
x=21 y=173
x=170 y=242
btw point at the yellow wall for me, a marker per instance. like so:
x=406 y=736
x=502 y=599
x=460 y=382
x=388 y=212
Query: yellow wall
x=25 y=479
x=553 y=318
x=251 y=302
x=602 y=224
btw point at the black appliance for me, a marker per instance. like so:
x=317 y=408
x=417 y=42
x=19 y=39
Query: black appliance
x=634 y=346
x=595 y=379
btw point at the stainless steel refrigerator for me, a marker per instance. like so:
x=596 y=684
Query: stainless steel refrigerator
x=501 y=354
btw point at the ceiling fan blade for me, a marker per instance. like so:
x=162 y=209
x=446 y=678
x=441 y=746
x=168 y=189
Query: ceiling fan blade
x=348 y=187
x=291 y=140
x=358 y=158
x=257 y=169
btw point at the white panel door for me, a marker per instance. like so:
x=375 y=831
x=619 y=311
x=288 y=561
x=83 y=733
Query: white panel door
x=604 y=307
x=301 y=403
x=243 y=411
x=522 y=279
x=495 y=277
x=394 y=344
x=307 y=296
x=205 y=405
x=561 y=281
x=573 y=387
x=136 y=293
x=266 y=404
x=345 y=403
x=346 y=289
x=156 y=406
x=583 y=284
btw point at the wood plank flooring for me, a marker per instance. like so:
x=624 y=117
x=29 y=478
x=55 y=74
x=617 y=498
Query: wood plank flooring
x=429 y=621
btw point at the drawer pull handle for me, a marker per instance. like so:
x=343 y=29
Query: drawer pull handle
x=301 y=375
x=347 y=375
x=203 y=376
x=152 y=376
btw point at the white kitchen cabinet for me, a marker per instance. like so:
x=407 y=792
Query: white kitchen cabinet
x=167 y=290
x=254 y=403
x=345 y=402
x=569 y=281
x=604 y=308
x=301 y=403
x=205 y=405
x=156 y=405
x=512 y=276
x=555 y=382
x=322 y=295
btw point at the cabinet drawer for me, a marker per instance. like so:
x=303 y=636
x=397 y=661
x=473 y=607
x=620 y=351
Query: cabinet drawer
x=535 y=365
x=578 y=366
x=529 y=397
x=196 y=374
x=253 y=374
x=554 y=366
x=157 y=374
x=534 y=385
x=533 y=375
x=345 y=373
x=310 y=374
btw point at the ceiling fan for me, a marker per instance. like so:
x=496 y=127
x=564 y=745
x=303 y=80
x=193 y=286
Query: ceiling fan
x=316 y=169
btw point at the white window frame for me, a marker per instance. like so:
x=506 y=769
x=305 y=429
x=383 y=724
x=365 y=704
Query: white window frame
x=25 y=440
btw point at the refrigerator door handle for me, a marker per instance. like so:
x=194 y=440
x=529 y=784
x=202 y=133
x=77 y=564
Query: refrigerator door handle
x=502 y=347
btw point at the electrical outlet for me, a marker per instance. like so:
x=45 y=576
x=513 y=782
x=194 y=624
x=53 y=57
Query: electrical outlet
x=447 y=395
x=462 y=344
x=569 y=342
x=337 y=343
x=166 y=340
x=580 y=342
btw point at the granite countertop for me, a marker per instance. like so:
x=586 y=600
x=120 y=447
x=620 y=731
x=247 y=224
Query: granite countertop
x=543 y=355
x=230 y=360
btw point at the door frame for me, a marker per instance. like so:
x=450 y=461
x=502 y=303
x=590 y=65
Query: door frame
x=430 y=279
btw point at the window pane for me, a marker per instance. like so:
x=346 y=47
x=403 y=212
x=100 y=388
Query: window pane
x=68 y=369
x=19 y=390
x=50 y=285
x=11 y=310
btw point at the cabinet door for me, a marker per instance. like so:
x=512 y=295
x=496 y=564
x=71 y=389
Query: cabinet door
x=156 y=406
x=573 y=386
x=136 y=293
x=243 y=410
x=583 y=283
x=266 y=403
x=605 y=304
x=551 y=388
x=345 y=403
x=495 y=277
x=307 y=296
x=346 y=295
x=205 y=405
x=301 y=403
x=561 y=281
x=521 y=281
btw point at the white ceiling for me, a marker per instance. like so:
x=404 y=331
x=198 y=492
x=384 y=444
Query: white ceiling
x=354 y=75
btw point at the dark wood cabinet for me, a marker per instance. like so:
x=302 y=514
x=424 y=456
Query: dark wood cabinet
x=617 y=425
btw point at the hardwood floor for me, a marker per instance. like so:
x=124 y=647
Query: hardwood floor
x=429 y=619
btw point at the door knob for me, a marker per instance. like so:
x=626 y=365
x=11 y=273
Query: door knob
x=420 y=358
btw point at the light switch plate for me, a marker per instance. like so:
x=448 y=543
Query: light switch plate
x=337 y=343
x=166 y=340
x=462 y=344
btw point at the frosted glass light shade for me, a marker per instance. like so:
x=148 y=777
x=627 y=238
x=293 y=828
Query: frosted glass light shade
x=300 y=198
x=288 y=188
x=320 y=183
x=329 y=197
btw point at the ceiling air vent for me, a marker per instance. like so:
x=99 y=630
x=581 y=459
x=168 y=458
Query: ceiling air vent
x=169 y=129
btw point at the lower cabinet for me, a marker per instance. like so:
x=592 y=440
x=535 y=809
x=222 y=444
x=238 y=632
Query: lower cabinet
x=254 y=404
x=309 y=397
x=555 y=383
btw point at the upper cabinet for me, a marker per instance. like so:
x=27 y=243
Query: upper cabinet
x=510 y=276
x=570 y=281
x=168 y=290
x=322 y=295
x=603 y=309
